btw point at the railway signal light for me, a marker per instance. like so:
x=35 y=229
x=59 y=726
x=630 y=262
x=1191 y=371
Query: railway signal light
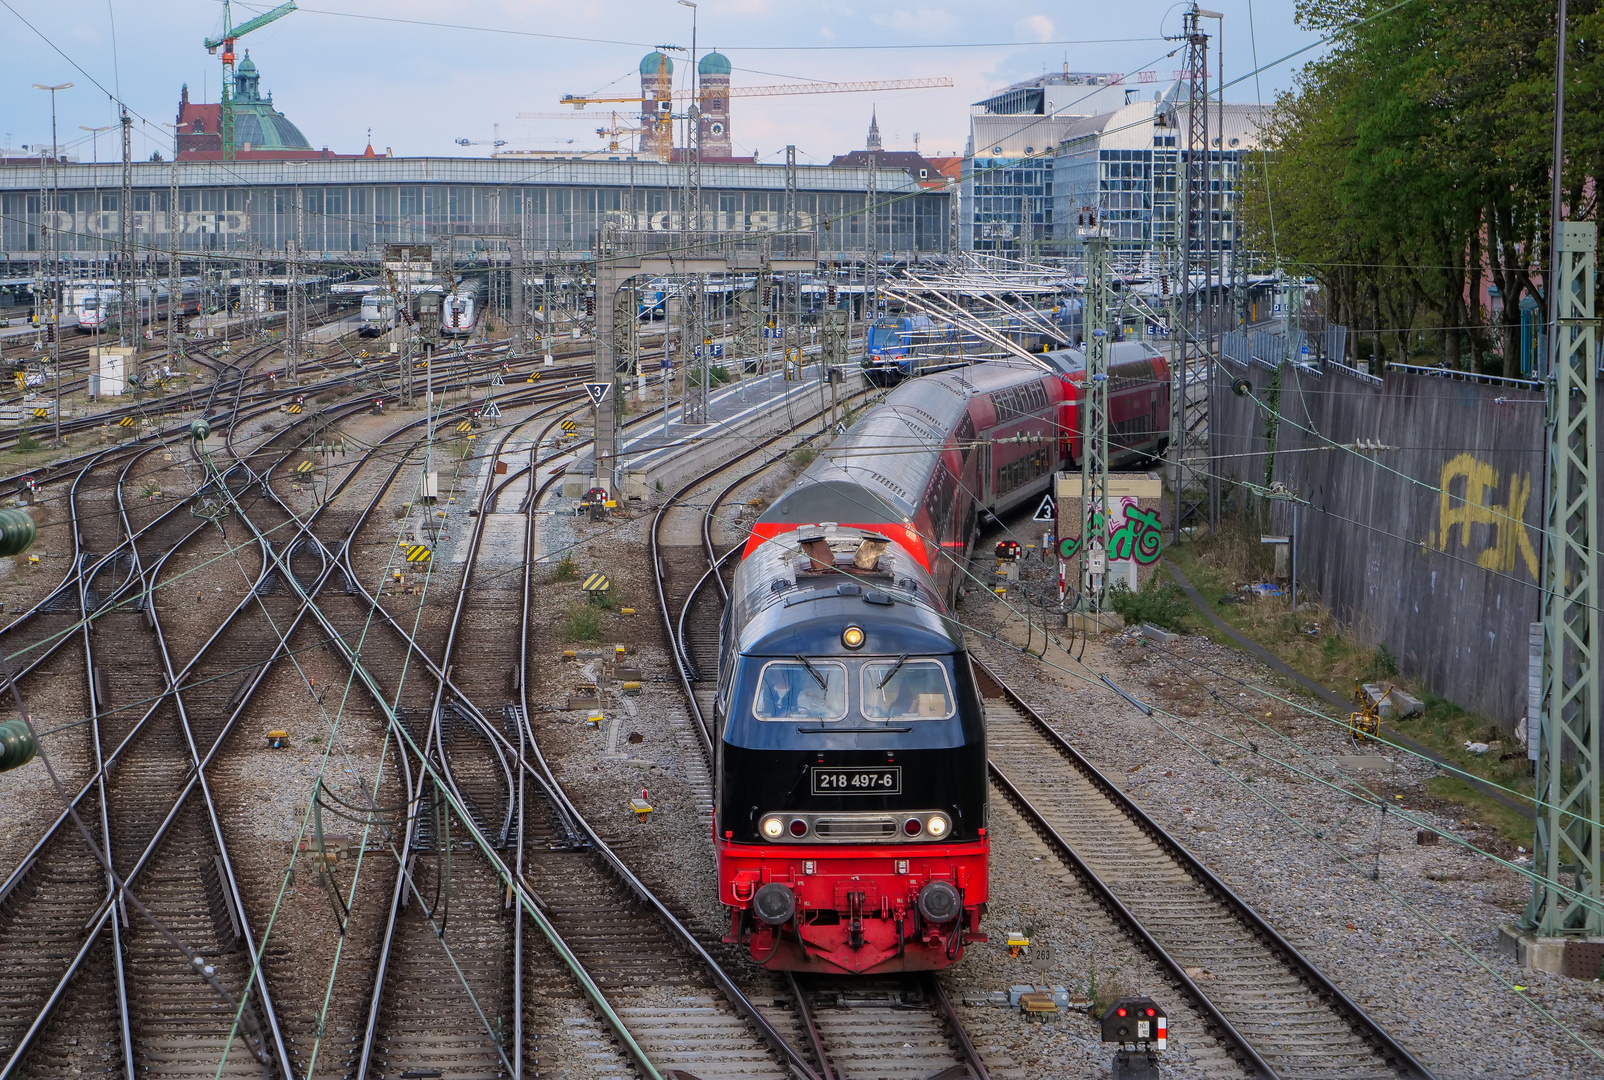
x=1136 y=1022
x=1009 y=550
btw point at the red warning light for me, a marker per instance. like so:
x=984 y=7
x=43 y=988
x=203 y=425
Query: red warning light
x=1122 y=1011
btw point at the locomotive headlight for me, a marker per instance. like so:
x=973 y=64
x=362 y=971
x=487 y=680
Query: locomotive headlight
x=936 y=825
x=852 y=637
x=772 y=827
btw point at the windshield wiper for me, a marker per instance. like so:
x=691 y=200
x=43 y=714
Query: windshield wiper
x=814 y=672
x=900 y=660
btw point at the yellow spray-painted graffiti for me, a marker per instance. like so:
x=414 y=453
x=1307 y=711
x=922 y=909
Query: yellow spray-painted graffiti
x=1469 y=490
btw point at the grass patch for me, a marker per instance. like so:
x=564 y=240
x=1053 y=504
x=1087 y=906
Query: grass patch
x=1159 y=602
x=1311 y=642
x=26 y=443
x=565 y=570
x=802 y=457
x=1510 y=825
x=583 y=623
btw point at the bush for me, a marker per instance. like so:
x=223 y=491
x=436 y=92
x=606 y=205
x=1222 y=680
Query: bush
x=1383 y=665
x=26 y=442
x=583 y=623
x=803 y=456
x=565 y=569
x=1161 y=603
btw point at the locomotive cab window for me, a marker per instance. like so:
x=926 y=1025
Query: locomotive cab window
x=792 y=690
x=906 y=690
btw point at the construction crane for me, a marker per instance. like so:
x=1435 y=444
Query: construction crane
x=497 y=141
x=231 y=34
x=661 y=110
x=611 y=132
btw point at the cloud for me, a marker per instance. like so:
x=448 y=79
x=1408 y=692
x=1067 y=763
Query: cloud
x=1039 y=27
x=925 y=22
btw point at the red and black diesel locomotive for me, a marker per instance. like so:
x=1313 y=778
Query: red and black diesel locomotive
x=850 y=820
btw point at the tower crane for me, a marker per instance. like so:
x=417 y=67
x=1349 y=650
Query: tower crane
x=497 y=142
x=231 y=34
x=611 y=132
x=662 y=104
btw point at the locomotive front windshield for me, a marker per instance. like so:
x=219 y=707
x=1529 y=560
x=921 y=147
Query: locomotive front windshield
x=905 y=690
x=801 y=690
x=891 y=688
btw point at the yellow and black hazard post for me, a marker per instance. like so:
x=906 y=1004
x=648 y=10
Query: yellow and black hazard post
x=596 y=584
x=418 y=553
x=569 y=427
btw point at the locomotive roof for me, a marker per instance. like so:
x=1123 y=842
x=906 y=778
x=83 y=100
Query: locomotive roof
x=780 y=605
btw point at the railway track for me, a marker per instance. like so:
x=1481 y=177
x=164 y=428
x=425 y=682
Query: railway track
x=1274 y=1010
x=568 y=883
x=139 y=990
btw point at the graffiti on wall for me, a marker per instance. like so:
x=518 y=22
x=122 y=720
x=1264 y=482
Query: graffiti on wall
x=1133 y=533
x=1470 y=497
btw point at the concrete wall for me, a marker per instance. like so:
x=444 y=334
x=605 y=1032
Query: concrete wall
x=1416 y=547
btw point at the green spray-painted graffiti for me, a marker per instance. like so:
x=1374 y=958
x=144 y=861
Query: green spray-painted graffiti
x=1139 y=536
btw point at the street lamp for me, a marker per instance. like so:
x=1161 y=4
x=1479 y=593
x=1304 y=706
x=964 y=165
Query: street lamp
x=94 y=137
x=55 y=268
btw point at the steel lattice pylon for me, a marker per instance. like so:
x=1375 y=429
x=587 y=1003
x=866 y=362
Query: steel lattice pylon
x=127 y=309
x=1094 y=421
x=1567 y=842
x=1189 y=425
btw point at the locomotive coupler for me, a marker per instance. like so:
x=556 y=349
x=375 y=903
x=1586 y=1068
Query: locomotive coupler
x=855 y=911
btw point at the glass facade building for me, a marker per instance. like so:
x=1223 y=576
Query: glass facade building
x=1129 y=167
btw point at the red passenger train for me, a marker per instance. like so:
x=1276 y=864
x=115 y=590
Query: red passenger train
x=850 y=820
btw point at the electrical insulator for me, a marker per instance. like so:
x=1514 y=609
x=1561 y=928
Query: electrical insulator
x=590 y=307
x=50 y=332
x=830 y=293
x=16 y=532
x=767 y=294
x=456 y=316
x=1164 y=284
x=17 y=745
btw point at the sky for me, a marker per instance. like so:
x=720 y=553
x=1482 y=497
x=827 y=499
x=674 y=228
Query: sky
x=420 y=75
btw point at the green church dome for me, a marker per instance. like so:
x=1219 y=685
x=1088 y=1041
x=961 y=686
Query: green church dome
x=652 y=61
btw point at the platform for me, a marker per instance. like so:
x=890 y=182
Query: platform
x=752 y=408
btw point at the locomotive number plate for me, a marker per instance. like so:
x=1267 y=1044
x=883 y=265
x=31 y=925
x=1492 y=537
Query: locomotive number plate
x=882 y=781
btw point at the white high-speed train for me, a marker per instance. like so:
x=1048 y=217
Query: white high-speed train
x=102 y=309
x=460 y=312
